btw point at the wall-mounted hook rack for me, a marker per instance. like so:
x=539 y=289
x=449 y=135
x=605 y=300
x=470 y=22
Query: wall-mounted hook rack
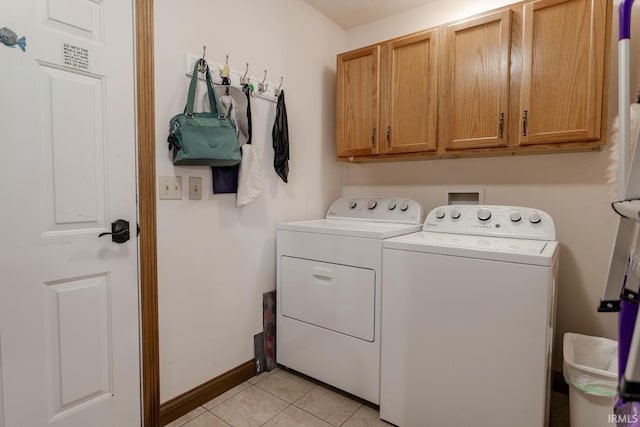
x=264 y=89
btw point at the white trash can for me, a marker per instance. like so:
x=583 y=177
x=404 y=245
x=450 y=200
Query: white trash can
x=591 y=370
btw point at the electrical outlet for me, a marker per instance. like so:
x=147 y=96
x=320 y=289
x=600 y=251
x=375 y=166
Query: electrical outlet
x=195 y=188
x=170 y=188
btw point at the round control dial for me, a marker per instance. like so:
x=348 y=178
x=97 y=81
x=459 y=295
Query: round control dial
x=440 y=213
x=371 y=205
x=484 y=214
x=535 y=218
x=455 y=214
x=404 y=206
x=391 y=206
x=515 y=217
x=353 y=204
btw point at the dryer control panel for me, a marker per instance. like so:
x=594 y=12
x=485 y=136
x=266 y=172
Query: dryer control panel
x=377 y=209
x=491 y=220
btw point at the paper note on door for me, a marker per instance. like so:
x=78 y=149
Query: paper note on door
x=75 y=56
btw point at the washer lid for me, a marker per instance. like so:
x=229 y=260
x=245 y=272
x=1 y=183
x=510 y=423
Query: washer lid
x=366 y=229
x=537 y=252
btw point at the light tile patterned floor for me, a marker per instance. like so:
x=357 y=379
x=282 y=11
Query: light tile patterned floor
x=281 y=398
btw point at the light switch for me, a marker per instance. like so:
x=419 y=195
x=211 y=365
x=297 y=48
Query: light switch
x=170 y=188
x=195 y=188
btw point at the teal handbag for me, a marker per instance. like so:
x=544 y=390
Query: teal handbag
x=203 y=139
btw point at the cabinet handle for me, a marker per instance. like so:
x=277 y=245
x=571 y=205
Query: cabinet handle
x=373 y=138
x=524 y=123
x=389 y=137
x=501 y=128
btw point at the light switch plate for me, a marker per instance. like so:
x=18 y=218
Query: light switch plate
x=195 y=188
x=170 y=188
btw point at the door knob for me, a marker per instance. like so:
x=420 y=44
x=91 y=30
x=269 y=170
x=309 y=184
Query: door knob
x=119 y=231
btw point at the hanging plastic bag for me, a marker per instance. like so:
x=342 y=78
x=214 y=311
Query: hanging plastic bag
x=591 y=364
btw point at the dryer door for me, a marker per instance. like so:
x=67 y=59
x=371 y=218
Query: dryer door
x=337 y=297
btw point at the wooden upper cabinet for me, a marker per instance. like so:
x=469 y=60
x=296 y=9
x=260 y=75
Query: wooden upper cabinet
x=475 y=84
x=357 y=102
x=563 y=61
x=410 y=93
x=529 y=77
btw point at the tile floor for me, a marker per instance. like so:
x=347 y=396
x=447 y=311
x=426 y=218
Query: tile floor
x=281 y=398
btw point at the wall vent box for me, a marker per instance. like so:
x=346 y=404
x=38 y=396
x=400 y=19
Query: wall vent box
x=463 y=196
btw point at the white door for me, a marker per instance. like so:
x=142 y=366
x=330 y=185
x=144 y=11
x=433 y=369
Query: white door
x=69 y=316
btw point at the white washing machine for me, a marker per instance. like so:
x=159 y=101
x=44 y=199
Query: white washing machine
x=329 y=279
x=468 y=318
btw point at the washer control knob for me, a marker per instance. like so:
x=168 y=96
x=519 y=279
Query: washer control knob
x=371 y=205
x=391 y=206
x=353 y=204
x=535 y=218
x=455 y=214
x=515 y=217
x=440 y=213
x=484 y=214
x=404 y=206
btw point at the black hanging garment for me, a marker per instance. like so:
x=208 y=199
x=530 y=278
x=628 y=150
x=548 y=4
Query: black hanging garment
x=247 y=92
x=280 y=134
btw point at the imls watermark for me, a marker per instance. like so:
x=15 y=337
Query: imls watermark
x=623 y=418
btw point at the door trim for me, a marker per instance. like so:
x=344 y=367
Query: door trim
x=150 y=367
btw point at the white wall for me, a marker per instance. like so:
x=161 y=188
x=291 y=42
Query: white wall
x=570 y=187
x=216 y=260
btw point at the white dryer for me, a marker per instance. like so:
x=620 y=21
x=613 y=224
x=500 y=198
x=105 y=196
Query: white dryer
x=329 y=280
x=468 y=319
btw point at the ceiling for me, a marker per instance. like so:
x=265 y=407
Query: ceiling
x=352 y=13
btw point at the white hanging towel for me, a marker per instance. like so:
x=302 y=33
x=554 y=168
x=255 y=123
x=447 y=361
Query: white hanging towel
x=250 y=175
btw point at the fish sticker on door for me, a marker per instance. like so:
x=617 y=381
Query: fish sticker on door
x=10 y=39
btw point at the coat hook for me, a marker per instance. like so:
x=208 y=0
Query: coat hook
x=202 y=64
x=277 y=91
x=225 y=72
x=244 y=80
x=262 y=87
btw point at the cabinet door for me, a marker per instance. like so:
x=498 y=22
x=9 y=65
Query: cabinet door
x=476 y=82
x=411 y=93
x=563 y=60
x=357 y=98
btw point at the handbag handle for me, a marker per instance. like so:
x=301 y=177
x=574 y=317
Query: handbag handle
x=214 y=103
